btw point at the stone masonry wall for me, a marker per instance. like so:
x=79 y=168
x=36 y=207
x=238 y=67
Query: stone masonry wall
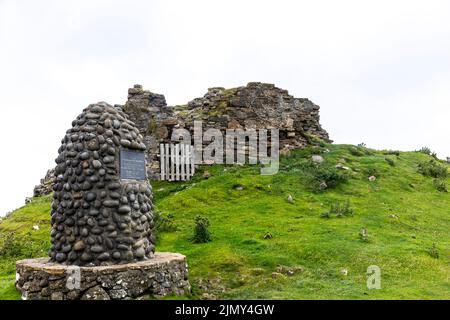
x=256 y=105
x=164 y=274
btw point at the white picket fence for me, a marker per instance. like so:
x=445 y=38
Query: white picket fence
x=176 y=161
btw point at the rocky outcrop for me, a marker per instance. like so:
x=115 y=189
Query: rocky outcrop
x=255 y=106
x=46 y=185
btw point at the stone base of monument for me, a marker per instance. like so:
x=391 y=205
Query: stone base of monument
x=165 y=274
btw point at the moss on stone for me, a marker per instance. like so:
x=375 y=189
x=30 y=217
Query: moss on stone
x=219 y=109
x=229 y=92
x=152 y=125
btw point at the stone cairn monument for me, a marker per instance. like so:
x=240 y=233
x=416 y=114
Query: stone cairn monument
x=102 y=244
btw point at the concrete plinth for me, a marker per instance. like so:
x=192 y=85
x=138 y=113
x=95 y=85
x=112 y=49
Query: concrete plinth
x=164 y=274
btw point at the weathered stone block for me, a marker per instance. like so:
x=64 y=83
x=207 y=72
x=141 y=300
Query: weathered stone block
x=164 y=274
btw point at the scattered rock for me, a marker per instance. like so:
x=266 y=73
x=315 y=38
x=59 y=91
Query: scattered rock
x=36 y=228
x=208 y=296
x=364 y=234
x=268 y=235
x=290 y=199
x=289 y=271
x=206 y=175
x=323 y=185
x=317 y=159
x=372 y=178
x=340 y=166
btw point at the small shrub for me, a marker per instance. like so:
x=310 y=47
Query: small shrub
x=321 y=177
x=433 y=169
x=325 y=215
x=434 y=251
x=390 y=162
x=339 y=210
x=440 y=185
x=163 y=223
x=201 y=231
x=362 y=145
x=314 y=140
x=18 y=247
x=357 y=152
x=166 y=223
x=425 y=150
x=392 y=153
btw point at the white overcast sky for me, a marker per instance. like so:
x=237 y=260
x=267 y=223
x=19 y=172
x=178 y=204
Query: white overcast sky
x=380 y=70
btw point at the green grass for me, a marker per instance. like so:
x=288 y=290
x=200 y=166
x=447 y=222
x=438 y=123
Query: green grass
x=402 y=211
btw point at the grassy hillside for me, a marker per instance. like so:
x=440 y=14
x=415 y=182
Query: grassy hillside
x=267 y=244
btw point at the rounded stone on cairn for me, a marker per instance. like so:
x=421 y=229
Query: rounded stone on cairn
x=96 y=218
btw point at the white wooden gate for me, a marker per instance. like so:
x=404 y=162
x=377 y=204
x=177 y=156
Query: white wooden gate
x=176 y=161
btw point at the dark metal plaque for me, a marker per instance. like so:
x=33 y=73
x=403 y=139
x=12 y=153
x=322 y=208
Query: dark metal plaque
x=132 y=165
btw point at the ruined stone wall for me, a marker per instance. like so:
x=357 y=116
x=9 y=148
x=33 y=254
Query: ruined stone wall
x=255 y=106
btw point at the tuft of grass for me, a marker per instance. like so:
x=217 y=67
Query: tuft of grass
x=433 y=169
x=163 y=223
x=201 y=230
x=440 y=185
x=390 y=161
x=320 y=177
x=434 y=251
x=339 y=210
x=392 y=153
x=425 y=150
x=356 y=151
